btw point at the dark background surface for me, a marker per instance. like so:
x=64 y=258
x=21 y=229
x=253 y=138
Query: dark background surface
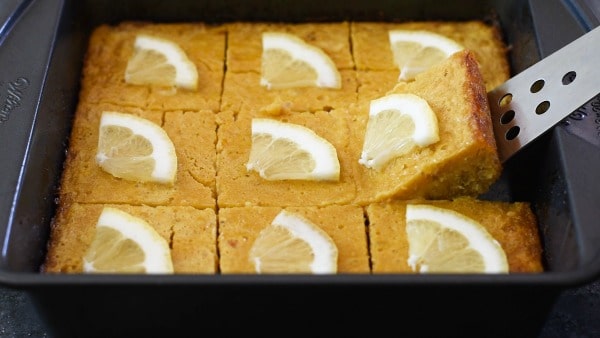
x=576 y=314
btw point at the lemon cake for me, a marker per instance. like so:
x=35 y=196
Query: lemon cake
x=218 y=207
x=111 y=47
x=237 y=186
x=193 y=135
x=372 y=50
x=243 y=90
x=463 y=162
x=512 y=225
x=239 y=228
x=190 y=232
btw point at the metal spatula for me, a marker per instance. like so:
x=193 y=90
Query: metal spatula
x=533 y=101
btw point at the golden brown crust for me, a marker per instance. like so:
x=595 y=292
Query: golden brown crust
x=479 y=106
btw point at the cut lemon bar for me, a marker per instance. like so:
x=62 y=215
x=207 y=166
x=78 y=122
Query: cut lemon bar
x=512 y=225
x=463 y=162
x=238 y=186
x=193 y=135
x=240 y=227
x=111 y=49
x=373 y=52
x=189 y=233
x=244 y=42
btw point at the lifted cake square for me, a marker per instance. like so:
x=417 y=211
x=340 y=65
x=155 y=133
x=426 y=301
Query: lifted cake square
x=464 y=162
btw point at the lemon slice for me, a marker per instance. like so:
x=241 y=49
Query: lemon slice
x=160 y=62
x=288 y=62
x=292 y=244
x=287 y=151
x=443 y=240
x=135 y=149
x=397 y=124
x=416 y=51
x=126 y=244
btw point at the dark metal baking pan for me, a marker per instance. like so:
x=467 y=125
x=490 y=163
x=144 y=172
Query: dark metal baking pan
x=42 y=43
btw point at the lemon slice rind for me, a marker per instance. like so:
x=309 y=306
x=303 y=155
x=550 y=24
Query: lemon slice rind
x=186 y=74
x=327 y=74
x=163 y=150
x=156 y=249
x=327 y=166
x=478 y=237
x=424 y=38
x=426 y=130
x=325 y=253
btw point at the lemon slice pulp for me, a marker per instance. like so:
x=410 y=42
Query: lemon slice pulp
x=160 y=62
x=126 y=244
x=445 y=241
x=416 y=51
x=293 y=244
x=288 y=62
x=397 y=124
x=133 y=148
x=287 y=151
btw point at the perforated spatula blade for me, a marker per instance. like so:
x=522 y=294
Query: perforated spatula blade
x=533 y=101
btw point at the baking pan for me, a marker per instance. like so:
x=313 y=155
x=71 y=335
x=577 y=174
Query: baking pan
x=42 y=44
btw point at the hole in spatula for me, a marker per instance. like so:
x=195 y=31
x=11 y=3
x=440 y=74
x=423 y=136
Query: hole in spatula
x=505 y=99
x=569 y=78
x=507 y=117
x=542 y=107
x=512 y=133
x=537 y=86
